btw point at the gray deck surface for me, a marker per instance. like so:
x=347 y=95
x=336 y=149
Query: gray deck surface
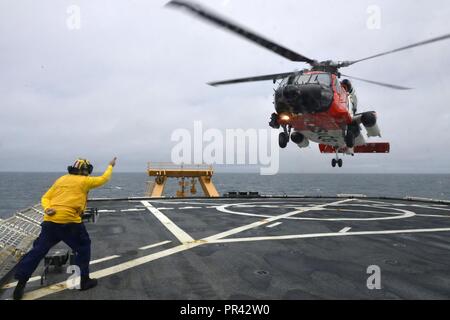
x=304 y=249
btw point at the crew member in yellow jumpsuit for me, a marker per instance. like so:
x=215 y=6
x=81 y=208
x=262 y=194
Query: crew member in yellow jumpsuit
x=64 y=204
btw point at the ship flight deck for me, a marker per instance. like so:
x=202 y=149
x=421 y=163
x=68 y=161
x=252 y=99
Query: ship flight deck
x=261 y=248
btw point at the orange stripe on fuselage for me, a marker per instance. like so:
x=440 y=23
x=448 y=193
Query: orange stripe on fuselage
x=337 y=117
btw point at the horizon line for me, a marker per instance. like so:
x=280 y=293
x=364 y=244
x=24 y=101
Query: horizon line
x=249 y=172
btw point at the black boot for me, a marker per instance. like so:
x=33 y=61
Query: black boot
x=87 y=283
x=18 y=291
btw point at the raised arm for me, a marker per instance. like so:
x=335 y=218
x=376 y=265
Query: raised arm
x=95 y=182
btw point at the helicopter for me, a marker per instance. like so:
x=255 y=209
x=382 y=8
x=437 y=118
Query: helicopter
x=312 y=104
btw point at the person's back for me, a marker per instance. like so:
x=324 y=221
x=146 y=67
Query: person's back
x=68 y=196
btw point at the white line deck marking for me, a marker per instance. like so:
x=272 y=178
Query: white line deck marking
x=104 y=210
x=172 y=227
x=104 y=259
x=183 y=208
x=274 y=225
x=330 y=234
x=154 y=245
x=13 y=284
x=189 y=202
x=130 y=210
x=364 y=211
x=432 y=215
x=345 y=229
x=165 y=208
x=429 y=207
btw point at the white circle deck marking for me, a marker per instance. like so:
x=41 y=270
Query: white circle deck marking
x=396 y=213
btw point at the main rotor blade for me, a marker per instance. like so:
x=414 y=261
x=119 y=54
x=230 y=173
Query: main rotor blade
x=418 y=44
x=275 y=76
x=214 y=18
x=392 y=86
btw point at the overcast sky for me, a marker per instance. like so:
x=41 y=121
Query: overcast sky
x=134 y=71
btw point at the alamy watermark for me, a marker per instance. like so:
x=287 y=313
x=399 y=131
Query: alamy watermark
x=374 y=280
x=230 y=147
x=73 y=282
x=73 y=21
x=374 y=19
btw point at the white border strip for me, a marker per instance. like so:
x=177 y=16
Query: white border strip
x=330 y=234
x=104 y=259
x=154 y=245
x=274 y=224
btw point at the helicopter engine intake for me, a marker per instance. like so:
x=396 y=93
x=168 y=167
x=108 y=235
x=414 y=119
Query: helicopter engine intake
x=369 y=121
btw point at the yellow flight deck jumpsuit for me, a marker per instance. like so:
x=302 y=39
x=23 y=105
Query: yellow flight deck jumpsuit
x=68 y=197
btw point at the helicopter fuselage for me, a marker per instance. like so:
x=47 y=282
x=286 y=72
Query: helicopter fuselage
x=316 y=105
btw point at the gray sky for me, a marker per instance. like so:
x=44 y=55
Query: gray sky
x=135 y=71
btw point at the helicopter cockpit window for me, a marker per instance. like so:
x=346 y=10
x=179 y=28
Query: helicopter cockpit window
x=321 y=78
x=289 y=80
x=303 y=78
x=317 y=78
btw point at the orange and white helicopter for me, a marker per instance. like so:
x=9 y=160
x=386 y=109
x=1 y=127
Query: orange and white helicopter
x=312 y=104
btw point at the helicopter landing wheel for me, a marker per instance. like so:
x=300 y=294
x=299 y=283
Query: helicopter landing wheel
x=333 y=163
x=337 y=161
x=283 y=139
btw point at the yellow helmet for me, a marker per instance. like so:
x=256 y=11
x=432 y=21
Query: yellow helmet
x=81 y=167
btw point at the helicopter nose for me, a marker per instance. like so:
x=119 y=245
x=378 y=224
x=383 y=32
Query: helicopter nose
x=291 y=92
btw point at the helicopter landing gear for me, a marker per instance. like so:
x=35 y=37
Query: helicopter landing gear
x=333 y=163
x=337 y=161
x=283 y=138
x=274 y=121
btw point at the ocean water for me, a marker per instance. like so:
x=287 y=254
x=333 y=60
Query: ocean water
x=20 y=190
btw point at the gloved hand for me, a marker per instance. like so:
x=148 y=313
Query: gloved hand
x=113 y=162
x=50 y=211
